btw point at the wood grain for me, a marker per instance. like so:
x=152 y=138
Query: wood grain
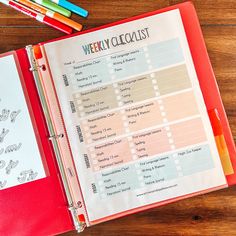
x=209 y=214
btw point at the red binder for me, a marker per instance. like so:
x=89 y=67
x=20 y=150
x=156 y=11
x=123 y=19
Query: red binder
x=40 y=207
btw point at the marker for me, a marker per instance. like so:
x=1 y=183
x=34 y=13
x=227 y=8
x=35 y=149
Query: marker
x=51 y=14
x=52 y=6
x=71 y=7
x=40 y=17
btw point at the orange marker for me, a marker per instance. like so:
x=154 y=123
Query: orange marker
x=51 y=14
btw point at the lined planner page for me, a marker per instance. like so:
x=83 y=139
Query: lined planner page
x=20 y=159
x=134 y=113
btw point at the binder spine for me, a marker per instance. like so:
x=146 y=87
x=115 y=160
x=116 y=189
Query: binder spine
x=53 y=137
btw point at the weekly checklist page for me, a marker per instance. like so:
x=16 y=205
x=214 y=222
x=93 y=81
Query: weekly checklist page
x=134 y=114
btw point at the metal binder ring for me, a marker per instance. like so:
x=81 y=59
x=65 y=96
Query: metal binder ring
x=79 y=204
x=56 y=136
x=32 y=69
x=36 y=67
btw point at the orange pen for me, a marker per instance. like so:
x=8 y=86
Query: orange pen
x=51 y=14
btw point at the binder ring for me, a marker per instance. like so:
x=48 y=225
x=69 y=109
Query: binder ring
x=36 y=67
x=56 y=136
x=79 y=204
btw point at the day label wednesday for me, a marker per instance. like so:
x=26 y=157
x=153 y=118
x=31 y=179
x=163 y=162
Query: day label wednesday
x=135 y=115
x=20 y=159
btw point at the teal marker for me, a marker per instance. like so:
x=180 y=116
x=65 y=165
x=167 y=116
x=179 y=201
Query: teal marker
x=54 y=7
x=71 y=7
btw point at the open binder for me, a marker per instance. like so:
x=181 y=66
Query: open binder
x=59 y=201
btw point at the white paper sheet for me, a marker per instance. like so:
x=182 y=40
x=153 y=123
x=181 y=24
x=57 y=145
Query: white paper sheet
x=20 y=159
x=134 y=113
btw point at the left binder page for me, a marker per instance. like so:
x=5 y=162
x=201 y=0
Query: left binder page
x=20 y=157
x=33 y=191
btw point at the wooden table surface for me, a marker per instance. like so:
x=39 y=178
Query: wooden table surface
x=209 y=214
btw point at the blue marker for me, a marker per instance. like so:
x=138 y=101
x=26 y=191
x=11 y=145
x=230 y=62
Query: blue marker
x=71 y=7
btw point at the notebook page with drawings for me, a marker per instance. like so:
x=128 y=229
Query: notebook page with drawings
x=134 y=114
x=20 y=159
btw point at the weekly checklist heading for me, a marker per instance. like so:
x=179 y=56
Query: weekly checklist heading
x=134 y=114
x=122 y=39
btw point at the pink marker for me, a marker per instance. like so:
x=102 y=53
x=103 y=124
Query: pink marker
x=38 y=16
